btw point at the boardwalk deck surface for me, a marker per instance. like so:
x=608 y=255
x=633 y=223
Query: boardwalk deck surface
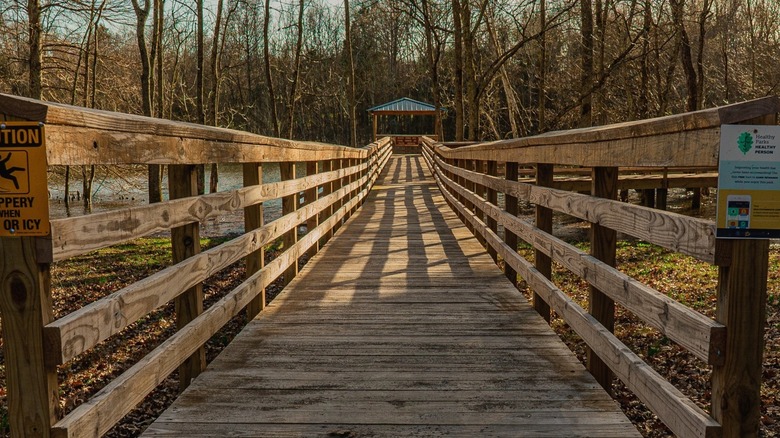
x=401 y=326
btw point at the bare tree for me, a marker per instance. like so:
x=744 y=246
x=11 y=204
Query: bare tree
x=350 y=77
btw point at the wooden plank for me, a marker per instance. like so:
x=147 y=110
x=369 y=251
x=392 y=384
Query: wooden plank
x=25 y=303
x=289 y=205
x=687 y=235
x=253 y=219
x=492 y=197
x=699 y=334
x=689 y=139
x=544 y=222
x=678 y=412
x=102 y=411
x=742 y=294
x=81 y=330
x=310 y=196
x=381 y=353
x=603 y=247
x=185 y=240
x=81 y=234
x=511 y=207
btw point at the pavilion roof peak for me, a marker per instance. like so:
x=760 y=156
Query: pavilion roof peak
x=404 y=105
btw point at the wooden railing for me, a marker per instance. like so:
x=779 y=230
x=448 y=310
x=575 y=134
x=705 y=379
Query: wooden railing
x=337 y=181
x=732 y=343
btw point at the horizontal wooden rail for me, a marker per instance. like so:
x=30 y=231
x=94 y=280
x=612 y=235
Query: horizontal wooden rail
x=699 y=334
x=679 y=413
x=79 y=331
x=644 y=181
x=81 y=234
x=102 y=411
x=79 y=136
x=690 y=139
x=684 y=234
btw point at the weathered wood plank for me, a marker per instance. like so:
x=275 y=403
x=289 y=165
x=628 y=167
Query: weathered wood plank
x=687 y=235
x=84 y=328
x=81 y=234
x=689 y=139
x=387 y=330
x=253 y=219
x=678 y=412
x=700 y=335
x=102 y=411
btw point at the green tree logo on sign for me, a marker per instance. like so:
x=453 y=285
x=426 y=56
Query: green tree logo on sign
x=745 y=142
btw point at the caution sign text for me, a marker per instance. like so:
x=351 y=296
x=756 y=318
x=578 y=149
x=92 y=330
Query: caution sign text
x=24 y=195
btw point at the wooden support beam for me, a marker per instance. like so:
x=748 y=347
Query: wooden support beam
x=544 y=221
x=742 y=293
x=327 y=189
x=603 y=244
x=253 y=219
x=310 y=196
x=510 y=238
x=25 y=307
x=289 y=205
x=492 y=197
x=337 y=184
x=182 y=183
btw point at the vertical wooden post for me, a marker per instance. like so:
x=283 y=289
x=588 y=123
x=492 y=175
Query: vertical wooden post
x=603 y=244
x=289 y=205
x=511 y=207
x=544 y=221
x=662 y=194
x=311 y=196
x=253 y=219
x=327 y=189
x=355 y=177
x=736 y=385
x=336 y=185
x=742 y=293
x=183 y=182
x=492 y=197
x=25 y=306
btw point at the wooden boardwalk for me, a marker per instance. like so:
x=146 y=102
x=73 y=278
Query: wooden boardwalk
x=401 y=326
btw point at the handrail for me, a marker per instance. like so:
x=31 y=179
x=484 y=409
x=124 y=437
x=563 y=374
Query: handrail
x=472 y=192
x=682 y=140
x=338 y=180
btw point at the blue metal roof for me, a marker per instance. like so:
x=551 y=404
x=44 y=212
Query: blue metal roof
x=403 y=104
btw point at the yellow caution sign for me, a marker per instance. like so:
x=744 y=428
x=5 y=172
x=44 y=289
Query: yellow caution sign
x=24 y=191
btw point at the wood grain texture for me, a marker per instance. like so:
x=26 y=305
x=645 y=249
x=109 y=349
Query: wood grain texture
x=89 y=136
x=687 y=235
x=185 y=243
x=689 y=139
x=742 y=294
x=699 y=334
x=544 y=222
x=603 y=247
x=81 y=330
x=98 y=415
x=678 y=412
x=25 y=306
x=253 y=219
x=81 y=234
x=368 y=340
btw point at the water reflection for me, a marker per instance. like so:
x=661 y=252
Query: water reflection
x=116 y=188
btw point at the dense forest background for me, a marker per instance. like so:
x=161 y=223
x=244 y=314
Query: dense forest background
x=308 y=69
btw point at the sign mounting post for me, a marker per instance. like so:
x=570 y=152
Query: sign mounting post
x=24 y=192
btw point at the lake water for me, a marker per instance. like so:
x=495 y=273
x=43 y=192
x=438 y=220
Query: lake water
x=122 y=187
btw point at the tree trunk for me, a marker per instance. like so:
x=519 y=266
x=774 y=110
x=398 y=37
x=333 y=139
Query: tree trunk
x=215 y=79
x=542 y=96
x=458 y=41
x=350 y=77
x=200 y=109
x=296 y=72
x=586 y=78
x=35 y=56
x=691 y=81
x=267 y=61
x=433 y=66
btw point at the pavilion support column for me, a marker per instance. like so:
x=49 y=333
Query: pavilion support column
x=375 y=125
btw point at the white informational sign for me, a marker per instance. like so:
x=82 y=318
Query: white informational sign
x=749 y=182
